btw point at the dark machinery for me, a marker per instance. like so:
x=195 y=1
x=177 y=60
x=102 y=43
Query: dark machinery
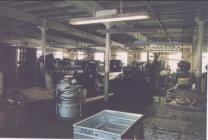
x=90 y=77
x=86 y=72
x=27 y=68
x=132 y=90
x=59 y=69
x=137 y=86
x=115 y=66
x=183 y=75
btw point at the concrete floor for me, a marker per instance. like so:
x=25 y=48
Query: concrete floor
x=54 y=128
x=153 y=134
x=172 y=124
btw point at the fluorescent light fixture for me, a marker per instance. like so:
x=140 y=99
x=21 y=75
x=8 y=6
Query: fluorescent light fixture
x=14 y=45
x=111 y=18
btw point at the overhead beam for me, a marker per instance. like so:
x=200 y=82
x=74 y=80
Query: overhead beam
x=30 y=42
x=35 y=8
x=32 y=34
x=126 y=30
x=29 y=18
x=20 y=16
x=88 y=6
x=19 y=3
x=169 y=26
x=91 y=6
x=158 y=20
x=66 y=11
x=141 y=4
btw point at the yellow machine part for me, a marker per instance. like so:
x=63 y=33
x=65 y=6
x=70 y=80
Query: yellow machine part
x=184 y=81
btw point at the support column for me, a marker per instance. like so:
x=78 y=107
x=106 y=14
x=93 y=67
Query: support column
x=107 y=62
x=147 y=56
x=43 y=29
x=193 y=49
x=200 y=39
x=207 y=93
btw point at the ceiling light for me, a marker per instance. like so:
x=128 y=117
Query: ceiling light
x=111 y=18
x=14 y=45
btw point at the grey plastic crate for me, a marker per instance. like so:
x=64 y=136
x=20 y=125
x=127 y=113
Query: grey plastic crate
x=110 y=124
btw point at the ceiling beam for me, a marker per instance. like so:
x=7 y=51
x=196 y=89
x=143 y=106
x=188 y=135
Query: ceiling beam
x=19 y=3
x=127 y=30
x=21 y=41
x=154 y=15
x=29 y=42
x=140 y=4
x=91 y=6
x=29 y=18
x=35 y=35
x=67 y=11
x=88 y=6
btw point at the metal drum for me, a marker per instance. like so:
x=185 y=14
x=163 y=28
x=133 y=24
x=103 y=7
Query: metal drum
x=67 y=100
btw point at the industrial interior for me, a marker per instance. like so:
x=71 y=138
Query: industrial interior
x=124 y=69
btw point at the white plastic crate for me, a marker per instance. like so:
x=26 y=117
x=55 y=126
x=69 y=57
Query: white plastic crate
x=110 y=124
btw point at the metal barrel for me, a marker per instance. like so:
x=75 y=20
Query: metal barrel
x=67 y=100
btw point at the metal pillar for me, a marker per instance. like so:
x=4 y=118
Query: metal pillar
x=43 y=29
x=193 y=49
x=147 y=56
x=207 y=94
x=200 y=39
x=107 y=62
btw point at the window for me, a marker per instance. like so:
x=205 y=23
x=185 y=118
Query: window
x=58 y=54
x=123 y=56
x=144 y=57
x=66 y=54
x=99 y=56
x=18 y=57
x=18 y=54
x=151 y=56
x=80 y=55
x=39 y=53
x=204 y=61
x=173 y=60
